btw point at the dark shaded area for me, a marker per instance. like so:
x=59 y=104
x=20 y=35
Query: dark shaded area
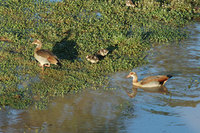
x=66 y=49
x=112 y=48
x=146 y=35
x=100 y=57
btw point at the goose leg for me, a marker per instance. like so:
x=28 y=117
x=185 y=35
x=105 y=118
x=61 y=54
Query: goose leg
x=42 y=69
x=47 y=65
x=164 y=82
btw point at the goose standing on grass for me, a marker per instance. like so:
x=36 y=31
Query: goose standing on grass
x=44 y=57
x=149 y=82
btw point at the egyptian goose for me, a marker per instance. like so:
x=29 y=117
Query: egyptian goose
x=149 y=82
x=44 y=57
x=92 y=58
x=129 y=3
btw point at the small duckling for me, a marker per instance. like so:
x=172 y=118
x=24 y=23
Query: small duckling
x=92 y=58
x=129 y=3
x=102 y=52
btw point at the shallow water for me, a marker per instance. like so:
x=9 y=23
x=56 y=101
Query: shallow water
x=175 y=110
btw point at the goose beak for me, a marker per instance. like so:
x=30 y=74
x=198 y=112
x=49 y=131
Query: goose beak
x=128 y=76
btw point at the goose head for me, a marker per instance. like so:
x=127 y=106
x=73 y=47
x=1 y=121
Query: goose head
x=37 y=42
x=132 y=74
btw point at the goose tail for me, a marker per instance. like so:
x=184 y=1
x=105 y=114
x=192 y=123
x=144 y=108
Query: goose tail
x=169 y=76
x=59 y=64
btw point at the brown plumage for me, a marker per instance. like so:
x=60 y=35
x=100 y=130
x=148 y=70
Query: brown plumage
x=44 y=57
x=98 y=56
x=152 y=81
x=92 y=58
x=129 y=3
x=102 y=52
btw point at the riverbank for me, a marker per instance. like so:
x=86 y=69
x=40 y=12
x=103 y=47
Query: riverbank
x=73 y=30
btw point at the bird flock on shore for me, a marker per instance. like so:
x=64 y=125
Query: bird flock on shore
x=46 y=58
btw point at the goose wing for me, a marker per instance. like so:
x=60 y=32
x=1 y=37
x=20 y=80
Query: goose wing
x=48 y=54
x=158 y=78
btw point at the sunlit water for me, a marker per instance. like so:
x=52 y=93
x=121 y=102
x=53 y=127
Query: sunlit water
x=113 y=111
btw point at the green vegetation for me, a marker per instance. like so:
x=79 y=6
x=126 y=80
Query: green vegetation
x=73 y=29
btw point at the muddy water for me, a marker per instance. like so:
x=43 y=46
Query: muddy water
x=174 y=108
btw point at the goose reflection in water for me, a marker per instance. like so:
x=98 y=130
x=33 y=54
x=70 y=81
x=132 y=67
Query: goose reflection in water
x=162 y=90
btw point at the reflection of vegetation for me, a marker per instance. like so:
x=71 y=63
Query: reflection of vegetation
x=193 y=83
x=74 y=29
x=165 y=113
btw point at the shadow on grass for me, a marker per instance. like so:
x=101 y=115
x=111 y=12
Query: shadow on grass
x=112 y=48
x=66 y=49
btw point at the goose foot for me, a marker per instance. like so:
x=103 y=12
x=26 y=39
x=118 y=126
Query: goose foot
x=47 y=65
